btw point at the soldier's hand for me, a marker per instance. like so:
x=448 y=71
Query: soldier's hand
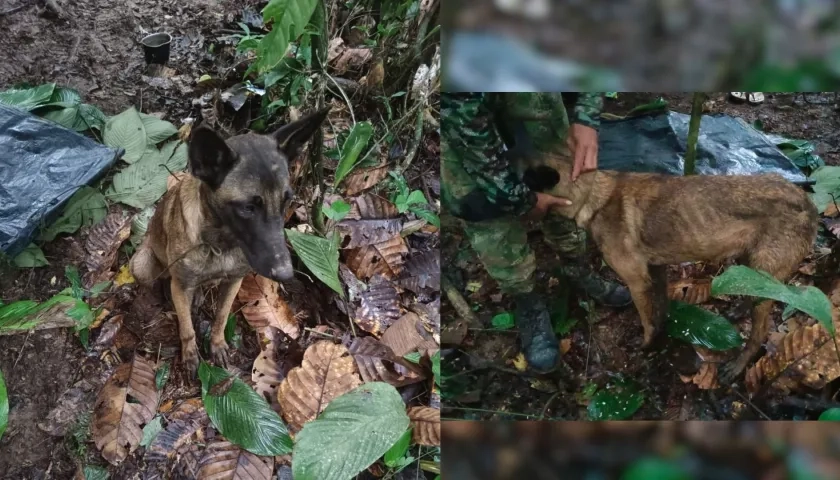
x=583 y=142
x=545 y=203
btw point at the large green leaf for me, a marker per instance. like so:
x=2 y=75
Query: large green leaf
x=289 y=22
x=699 y=326
x=827 y=188
x=93 y=472
x=241 y=414
x=618 y=401
x=658 y=468
x=354 y=431
x=741 y=280
x=830 y=415
x=319 y=255
x=31 y=257
x=396 y=453
x=157 y=130
x=4 y=405
x=142 y=183
x=139 y=225
x=92 y=117
x=126 y=131
x=75 y=117
x=12 y=315
x=86 y=207
x=357 y=140
x=28 y=98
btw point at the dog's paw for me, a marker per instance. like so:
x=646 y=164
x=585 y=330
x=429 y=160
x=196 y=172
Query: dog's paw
x=219 y=352
x=189 y=357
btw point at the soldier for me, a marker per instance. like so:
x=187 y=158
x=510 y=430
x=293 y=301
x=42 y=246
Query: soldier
x=481 y=187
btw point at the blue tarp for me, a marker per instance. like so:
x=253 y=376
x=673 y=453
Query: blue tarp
x=656 y=143
x=42 y=164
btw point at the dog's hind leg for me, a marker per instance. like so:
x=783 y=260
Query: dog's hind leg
x=145 y=266
x=218 y=346
x=779 y=261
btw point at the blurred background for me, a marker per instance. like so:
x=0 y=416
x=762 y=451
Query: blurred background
x=666 y=45
x=642 y=450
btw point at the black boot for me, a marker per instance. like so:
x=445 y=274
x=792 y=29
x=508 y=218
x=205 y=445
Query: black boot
x=536 y=334
x=603 y=291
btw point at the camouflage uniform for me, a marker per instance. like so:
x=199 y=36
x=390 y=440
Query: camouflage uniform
x=480 y=186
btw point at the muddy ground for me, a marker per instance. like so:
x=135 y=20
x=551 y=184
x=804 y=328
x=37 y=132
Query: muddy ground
x=602 y=345
x=93 y=47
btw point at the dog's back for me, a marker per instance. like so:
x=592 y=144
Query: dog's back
x=711 y=218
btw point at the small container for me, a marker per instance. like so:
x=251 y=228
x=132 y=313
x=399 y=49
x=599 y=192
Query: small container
x=156 y=48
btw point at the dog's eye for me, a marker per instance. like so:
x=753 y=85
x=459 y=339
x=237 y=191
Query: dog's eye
x=247 y=210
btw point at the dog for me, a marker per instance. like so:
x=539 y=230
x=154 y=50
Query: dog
x=642 y=222
x=220 y=222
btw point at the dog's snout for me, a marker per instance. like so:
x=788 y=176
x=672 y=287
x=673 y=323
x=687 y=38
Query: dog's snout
x=282 y=273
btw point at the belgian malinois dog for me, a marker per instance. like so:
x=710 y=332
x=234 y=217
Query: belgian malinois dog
x=643 y=222
x=222 y=221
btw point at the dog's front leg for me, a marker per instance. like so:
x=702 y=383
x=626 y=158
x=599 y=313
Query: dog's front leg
x=633 y=270
x=182 y=296
x=218 y=346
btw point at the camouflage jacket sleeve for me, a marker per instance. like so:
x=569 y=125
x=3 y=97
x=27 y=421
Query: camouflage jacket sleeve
x=588 y=110
x=468 y=127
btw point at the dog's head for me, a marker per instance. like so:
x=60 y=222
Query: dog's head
x=552 y=174
x=247 y=178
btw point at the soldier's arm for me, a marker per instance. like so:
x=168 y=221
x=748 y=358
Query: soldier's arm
x=468 y=127
x=587 y=110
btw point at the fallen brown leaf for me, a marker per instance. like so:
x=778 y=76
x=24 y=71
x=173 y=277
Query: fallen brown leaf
x=422 y=271
x=266 y=373
x=264 y=306
x=372 y=207
x=385 y=258
x=101 y=246
x=806 y=357
x=225 y=461
x=377 y=363
x=126 y=403
x=360 y=233
x=691 y=290
x=406 y=335
x=183 y=425
x=327 y=371
x=380 y=306
x=706 y=378
x=426 y=423
x=362 y=180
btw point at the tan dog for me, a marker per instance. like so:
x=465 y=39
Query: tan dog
x=221 y=222
x=643 y=222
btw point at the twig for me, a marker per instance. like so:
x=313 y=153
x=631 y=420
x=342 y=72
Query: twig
x=415 y=143
x=458 y=303
x=747 y=400
x=22 y=348
x=548 y=403
x=496 y=412
x=15 y=9
x=346 y=98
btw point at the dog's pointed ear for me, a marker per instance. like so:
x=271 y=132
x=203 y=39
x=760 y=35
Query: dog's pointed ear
x=540 y=178
x=210 y=157
x=292 y=137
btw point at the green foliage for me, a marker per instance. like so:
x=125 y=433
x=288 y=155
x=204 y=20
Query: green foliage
x=353 y=432
x=31 y=257
x=242 y=415
x=231 y=337
x=827 y=188
x=658 y=468
x=699 y=326
x=86 y=207
x=142 y=183
x=503 y=321
x=15 y=316
x=319 y=255
x=28 y=98
x=618 y=401
x=288 y=21
x=741 y=280
x=162 y=376
x=93 y=472
x=357 y=140
x=4 y=405
x=830 y=415
x=65 y=107
x=436 y=367
x=151 y=430
x=396 y=457
x=336 y=210
x=658 y=104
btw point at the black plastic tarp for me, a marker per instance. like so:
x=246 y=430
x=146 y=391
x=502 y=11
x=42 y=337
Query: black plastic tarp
x=656 y=143
x=42 y=164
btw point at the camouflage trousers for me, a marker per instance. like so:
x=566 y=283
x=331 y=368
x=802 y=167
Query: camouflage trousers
x=502 y=244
